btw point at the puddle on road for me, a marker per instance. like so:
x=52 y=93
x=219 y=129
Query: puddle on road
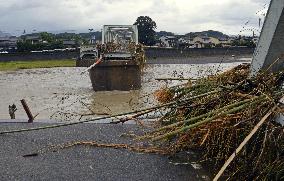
x=62 y=93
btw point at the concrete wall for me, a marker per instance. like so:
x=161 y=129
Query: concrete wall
x=152 y=53
x=38 y=56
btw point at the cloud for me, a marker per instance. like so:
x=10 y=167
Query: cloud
x=179 y=16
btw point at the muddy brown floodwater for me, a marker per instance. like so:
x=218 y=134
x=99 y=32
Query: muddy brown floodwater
x=62 y=94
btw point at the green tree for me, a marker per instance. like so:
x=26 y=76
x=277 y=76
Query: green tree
x=47 y=37
x=28 y=46
x=247 y=43
x=146 y=29
x=58 y=44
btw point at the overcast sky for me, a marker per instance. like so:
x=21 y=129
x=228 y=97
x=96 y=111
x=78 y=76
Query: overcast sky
x=178 y=16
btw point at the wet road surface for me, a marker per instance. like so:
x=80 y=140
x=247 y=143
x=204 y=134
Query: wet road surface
x=83 y=162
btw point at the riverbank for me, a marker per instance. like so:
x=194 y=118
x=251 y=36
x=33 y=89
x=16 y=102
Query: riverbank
x=184 y=60
x=31 y=64
x=150 y=52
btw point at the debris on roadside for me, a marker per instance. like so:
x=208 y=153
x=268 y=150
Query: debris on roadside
x=215 y=124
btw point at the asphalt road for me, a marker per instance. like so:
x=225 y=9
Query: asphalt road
x=82 y=162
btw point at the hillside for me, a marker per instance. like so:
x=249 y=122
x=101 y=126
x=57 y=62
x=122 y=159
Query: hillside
x=210 y=33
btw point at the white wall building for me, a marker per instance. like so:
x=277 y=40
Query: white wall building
x=168 y=41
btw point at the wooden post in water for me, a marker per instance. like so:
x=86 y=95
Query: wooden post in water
x=27 y=109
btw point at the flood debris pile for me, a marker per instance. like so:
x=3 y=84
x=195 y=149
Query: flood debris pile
x=136 y=50
x=138 y=53
x=108 y=47
x=213 y=116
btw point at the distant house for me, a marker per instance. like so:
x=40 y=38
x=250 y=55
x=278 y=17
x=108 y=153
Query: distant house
x=69 y=43
x=168 y=41
x=225 y=42
x=198 y=44
x=205 y=41
x=214 y=41
x=202 y=39
x=34 y=39
x=185 y=39
x=185 y=42
x=8 y=43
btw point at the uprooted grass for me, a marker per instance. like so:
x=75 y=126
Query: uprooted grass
x=216 y=124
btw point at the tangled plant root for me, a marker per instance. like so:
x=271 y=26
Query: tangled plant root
x=164 y=95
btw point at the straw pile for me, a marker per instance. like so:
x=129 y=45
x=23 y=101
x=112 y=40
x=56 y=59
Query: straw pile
x=215 y=123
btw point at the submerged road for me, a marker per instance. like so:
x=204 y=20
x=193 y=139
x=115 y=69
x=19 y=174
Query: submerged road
x=82 y=162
